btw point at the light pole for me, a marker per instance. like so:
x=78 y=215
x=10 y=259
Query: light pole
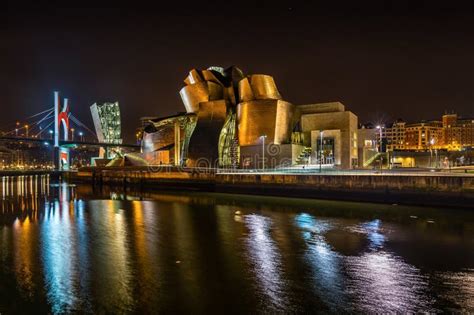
x=26 y=128
x=81 y=134
x=50 y=134
x=380 y=145
x=321 y=133
x=72 y=134
x=380 y=137
x=432 y=141
x=263 y=150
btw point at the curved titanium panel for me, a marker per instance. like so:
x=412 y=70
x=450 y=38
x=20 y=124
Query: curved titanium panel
x=209 y=76
x=204 y=142
x=245 y=91
x=264 y=117
x=264 y=87
x=216 y=91
x=193 y=77
x=192 y=95
x=229 y=95
x=163 y=137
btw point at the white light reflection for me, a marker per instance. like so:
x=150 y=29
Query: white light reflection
x=383 y=283
x=266 y=260
x=58 y=255
x=373 y=231
x=83 y=264
x=458 y=289
x=325 y=264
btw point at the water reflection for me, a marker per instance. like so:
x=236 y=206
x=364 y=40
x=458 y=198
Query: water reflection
x=24 y=255
x=59 y=258
x=326 y=265
x=67 y=249
x=265 y=260
x=110 y=240
x=381 y=282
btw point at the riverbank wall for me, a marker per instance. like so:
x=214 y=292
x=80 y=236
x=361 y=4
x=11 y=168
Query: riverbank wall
x=448 y=190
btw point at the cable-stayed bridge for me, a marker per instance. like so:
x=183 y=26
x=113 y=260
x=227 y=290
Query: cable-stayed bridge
x=57 y=126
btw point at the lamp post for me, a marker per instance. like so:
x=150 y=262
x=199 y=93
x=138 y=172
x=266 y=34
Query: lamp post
x=263 y=150
x=379 y=127
x=50 y=134
x=380 y=137
x=321 y=133
x=432 y=141
x=81 y=134
x=72 y=134
x=26 y=130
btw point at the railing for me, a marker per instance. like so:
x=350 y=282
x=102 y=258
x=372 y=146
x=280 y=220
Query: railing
x=373 y=158
x=355 y=172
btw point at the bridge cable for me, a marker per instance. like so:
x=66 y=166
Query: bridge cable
x=80 y=124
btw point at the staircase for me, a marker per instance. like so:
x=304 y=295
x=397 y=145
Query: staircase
x=373 y=158
x=303 y=157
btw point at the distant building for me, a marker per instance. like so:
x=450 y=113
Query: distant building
x=107 y=125
x=451 y=133
x=395 y=135
x=457 y=132
x=423 y=135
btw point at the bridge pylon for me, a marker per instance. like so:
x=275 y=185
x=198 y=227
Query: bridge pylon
x=61 y=119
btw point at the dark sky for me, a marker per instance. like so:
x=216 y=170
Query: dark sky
x=383 y=60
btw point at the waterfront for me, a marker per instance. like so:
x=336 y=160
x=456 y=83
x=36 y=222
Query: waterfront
x=66 y=248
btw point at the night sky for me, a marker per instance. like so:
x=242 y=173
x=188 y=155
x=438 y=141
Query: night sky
x=383 y=60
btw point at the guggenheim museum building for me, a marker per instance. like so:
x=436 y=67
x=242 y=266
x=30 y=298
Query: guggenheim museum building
x=234 y=120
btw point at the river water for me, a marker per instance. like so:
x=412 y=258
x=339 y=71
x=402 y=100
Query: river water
x=66 y=248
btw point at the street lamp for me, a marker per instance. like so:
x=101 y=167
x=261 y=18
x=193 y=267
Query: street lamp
x=380 y=137
x=321 y=133
x=26 y=127
x=81 y=134
x=263 y=150
x=380 y=145
x=432 y=142
x=50 y=134
x=72 y=134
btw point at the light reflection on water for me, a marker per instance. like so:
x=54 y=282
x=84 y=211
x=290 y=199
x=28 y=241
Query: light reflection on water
x=71 y=249
x=59 y=257
x=326 y=277
x=265 y=261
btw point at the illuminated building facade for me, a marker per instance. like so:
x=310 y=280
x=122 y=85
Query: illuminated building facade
x=423 y=135
x=457 y=132
x=395 y=135
x=107 y=125
x=451 y=133
x=338 y=128
x=237 y=120
x=160 y=136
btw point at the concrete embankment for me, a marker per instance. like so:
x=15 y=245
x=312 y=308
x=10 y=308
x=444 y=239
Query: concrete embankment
x=430 y=189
